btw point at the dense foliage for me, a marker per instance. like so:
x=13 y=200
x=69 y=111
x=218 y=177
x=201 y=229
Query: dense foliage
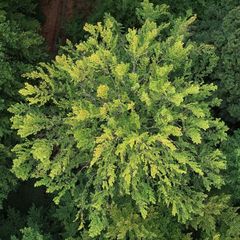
x=123 y=133
x=232 y=150
x=217 y=24
x=20 y=49
x=228 y=69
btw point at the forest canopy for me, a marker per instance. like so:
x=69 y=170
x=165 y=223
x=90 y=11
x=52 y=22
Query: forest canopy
x=121 y=123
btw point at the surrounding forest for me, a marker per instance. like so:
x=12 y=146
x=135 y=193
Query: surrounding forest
x=119 y=119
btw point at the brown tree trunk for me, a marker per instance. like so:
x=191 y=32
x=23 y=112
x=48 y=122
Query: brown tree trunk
x=52 y=11
x=57 y=13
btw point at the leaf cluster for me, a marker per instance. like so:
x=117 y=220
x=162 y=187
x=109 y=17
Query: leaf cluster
x=117 y=123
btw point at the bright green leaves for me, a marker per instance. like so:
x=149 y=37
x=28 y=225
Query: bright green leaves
x=29 y=124
x=145 y=98
x=196 y=110
x=193 y=89
x=151 y=12
x=164 y=140
x=121 y=70
x=139 y=42
x=40 y=95
x=107 y=33
x=42 y=150
x=194 y=134
x=159 y=83
x=80 y=114
x=28 y=90
x=97 y=153
x=102 y=91
x=203 y=124
x=83 y=138
x=22 y=164
x=96 y=225
x=183 y=159
x=177 y=99
x=124 y=126
x=133 y=41
x=177 y=53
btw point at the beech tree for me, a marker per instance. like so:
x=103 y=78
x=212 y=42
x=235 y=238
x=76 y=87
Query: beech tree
x=117 y=130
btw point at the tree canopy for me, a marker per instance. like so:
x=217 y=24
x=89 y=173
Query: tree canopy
x=131 y=133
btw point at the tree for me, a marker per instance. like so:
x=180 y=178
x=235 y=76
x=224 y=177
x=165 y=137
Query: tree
x=30 y=234
x=20 y=48
x=35 y=224
x=217 y=24
x=228 y=68
x=231 y=148
x=117 y=125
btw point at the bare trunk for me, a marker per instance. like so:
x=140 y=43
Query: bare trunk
x=57 y=13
